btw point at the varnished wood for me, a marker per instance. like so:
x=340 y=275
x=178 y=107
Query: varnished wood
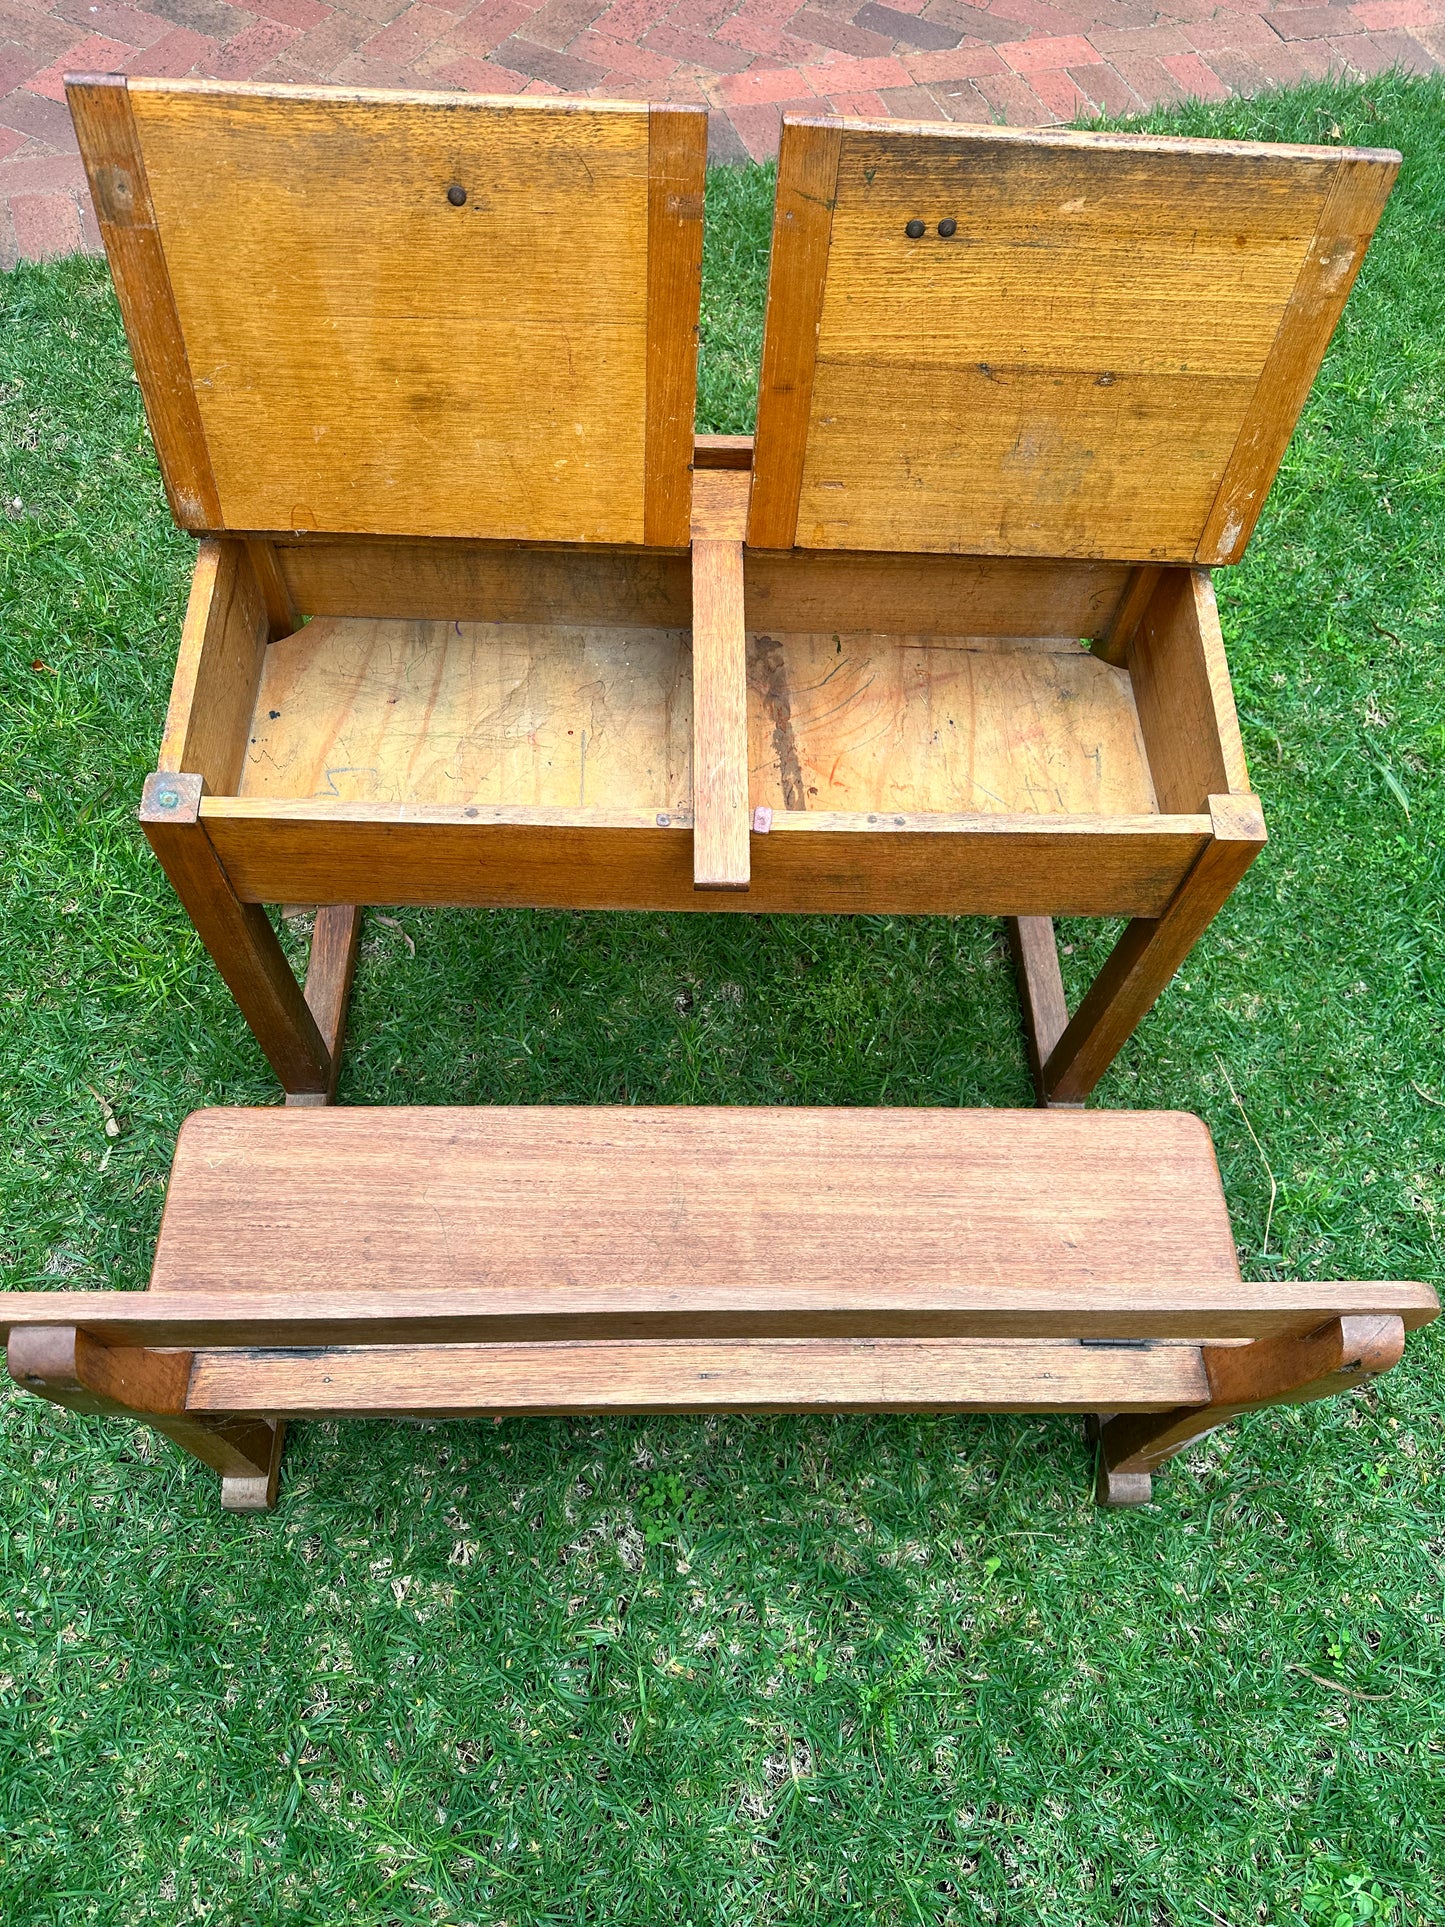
x=329 y=971
x=100 y=107
x=747 y=1375
x=487 y=373
x=1358 y=191
x=281 y=851
x=722 y=451
x=1074 y=372
x=1041 y=990
x=797 y=274
x=886 y=723
x=1151 y=950
x=1181 y=687
x=720 y=838
x=218 y=669
x=1113 y=644
x=1341 y=1354
x=676 y=172
x=238 y=935
x=282 y=616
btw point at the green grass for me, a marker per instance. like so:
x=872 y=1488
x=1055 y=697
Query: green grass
x=724 y=1671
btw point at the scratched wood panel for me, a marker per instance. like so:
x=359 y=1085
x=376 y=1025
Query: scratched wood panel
x=369 y=357
x=473 y=713
x=1066 y=374
x=898 y=723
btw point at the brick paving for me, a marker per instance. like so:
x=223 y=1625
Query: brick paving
x=1023 y=62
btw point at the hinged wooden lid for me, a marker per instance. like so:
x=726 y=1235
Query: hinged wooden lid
x=1000 y=342
x=414 y=314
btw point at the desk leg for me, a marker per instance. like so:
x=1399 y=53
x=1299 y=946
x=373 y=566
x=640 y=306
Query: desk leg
x=1148 y=954
x=1041 y=996
x=334 y=940
x=238 y=935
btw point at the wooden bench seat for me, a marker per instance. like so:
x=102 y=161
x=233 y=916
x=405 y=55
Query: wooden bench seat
x=458 y=1262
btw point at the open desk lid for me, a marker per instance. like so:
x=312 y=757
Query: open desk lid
x=998 y=342
x=406 y=314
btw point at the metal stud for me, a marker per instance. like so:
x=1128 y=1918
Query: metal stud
x=948 y=228
x=914 y=230
x=457 y=196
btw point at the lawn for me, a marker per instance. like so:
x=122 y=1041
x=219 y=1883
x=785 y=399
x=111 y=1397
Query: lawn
x=718 y=1671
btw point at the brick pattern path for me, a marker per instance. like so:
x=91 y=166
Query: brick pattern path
x=1023 y=62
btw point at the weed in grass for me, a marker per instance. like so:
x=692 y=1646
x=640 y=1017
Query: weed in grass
x=722 y=1670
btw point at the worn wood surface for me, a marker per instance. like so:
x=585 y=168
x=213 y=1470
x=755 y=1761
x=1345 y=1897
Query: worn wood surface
x=760 y=1375
x=367 y=356
x=100 y=107
x=1358 y=191
x=335 y=937
x=1075 y=371
x=238 y=935
x=474 y=713
x=283 y=618
x=721 y=857
x=1113 y=644
x=1151 y=950
x=676 y=172
x=797 y=276
x=1041 y=990
x=1182 y=692
x=218 y=668
x=284 y=851
x=849 y=722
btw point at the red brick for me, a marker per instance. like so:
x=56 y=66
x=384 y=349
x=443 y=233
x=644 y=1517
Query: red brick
x=17 y=64
x=1382 y=15
x=1373 y=53
x=1245 y=32
x=622 y=57
x=724 y=145
x=318 y=52
x=963 y=103
x=865 y=106
x=291 y=13
x=758 y=85
x=46 y=225
x=1313 y=23
x=630 y=19
x=44 y=174
x=929 y=36
x=1014 y=99
x=40 y=119
x=539 y=89
x=972 y=22
x=93 y=55
x=697 y=49
x=558 y=22
x=179 y=53
x=1140 y=40
x=488 y=25
x=9 y=141
x=1151 y=81
x=1240 y=73
x=1050 y=54
x=852 y=75
x=701 y=16
x=1195 y=77
x=1059 y=94
x=409 y=35
x=758 y=125
x=245 y=56
x=1105 y=88
x=963 y=63
x=842 y=35
x=772 y=46
x=564 y=72
x=1040 y=17
x=912 y=103
x=130 y=24
x=479 y=77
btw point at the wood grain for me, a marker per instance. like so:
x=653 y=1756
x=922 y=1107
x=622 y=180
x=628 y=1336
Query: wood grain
x=335 y=937
x=474 y=713
x=759 y=1375
x=1151 y=950
x=238 y=935
x=1113 y=644
x=593 y=585
x=862 y=722
x=721 y=817
x=1352 y=208
x=1183 y=695
x=1041 y=991
x=676 y=173
x=218 y=668
x=1067 y=375
x=797 y=272
x=279 y=851
x=282 y=615
x=100 y=107
x=369 y=357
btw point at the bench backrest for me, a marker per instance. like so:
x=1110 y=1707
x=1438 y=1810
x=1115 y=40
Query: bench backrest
x=406 y=314
x=1001 y=342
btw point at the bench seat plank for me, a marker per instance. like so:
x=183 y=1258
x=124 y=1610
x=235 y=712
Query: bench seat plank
x=789 y=1375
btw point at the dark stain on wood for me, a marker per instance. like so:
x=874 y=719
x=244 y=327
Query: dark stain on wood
x=768 y=679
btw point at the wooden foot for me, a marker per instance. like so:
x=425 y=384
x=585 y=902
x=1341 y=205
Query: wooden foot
x=238 y=935
x=1149 y=952
x=329 y=973
x=1041 y=996
x=1121 y=1488
x=256 y=1492
x=71 y=1368
x=1341 y=1354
